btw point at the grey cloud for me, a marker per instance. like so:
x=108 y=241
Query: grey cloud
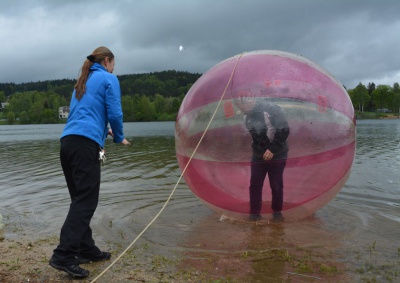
x=354 y=40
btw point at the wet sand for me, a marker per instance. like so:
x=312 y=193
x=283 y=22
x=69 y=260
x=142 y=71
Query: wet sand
x=327 y=247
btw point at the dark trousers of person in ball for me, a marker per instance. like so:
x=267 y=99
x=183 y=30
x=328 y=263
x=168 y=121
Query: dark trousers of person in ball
x=259 y=170
x=81 y=165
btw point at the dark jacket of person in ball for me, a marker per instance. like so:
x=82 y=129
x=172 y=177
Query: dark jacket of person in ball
x=269 y=129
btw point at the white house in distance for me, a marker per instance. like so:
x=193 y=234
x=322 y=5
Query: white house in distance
x=3 y=105
x=63 y=112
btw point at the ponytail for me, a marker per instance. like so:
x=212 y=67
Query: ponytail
x=98 y=56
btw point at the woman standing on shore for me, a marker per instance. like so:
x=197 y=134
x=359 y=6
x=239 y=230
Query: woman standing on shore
x=95 y=103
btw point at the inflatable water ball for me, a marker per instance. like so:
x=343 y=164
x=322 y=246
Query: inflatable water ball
x=321 y=142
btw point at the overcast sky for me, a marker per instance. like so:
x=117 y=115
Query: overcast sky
x=355 y=40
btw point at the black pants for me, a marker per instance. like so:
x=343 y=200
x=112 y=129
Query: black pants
x=259 y=170
x=80 y=162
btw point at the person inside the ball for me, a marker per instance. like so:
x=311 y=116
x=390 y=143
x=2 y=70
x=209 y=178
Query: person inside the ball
x=269 y=130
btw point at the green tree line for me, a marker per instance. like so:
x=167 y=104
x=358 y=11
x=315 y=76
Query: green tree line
x=373 y=98
x=145 y=97
x=149 y=97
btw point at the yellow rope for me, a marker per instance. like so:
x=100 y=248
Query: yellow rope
x=177 y=183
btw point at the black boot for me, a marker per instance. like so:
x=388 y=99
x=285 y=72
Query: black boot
x=73 y=270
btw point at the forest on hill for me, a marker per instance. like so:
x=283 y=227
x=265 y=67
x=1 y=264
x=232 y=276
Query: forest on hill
x=153 y=96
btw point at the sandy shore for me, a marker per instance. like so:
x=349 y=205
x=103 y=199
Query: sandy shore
x=25 y=259
x=289 y=252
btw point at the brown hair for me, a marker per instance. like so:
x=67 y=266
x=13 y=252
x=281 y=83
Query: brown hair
x=97 y=56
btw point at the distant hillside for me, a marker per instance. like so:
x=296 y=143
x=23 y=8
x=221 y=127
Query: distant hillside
x=166 y=83
x=145 y=97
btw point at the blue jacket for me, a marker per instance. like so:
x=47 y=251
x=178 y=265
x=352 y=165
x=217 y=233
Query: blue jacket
x=100 y=105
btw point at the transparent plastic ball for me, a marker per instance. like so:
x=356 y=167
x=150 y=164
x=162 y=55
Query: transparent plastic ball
x=321 y=142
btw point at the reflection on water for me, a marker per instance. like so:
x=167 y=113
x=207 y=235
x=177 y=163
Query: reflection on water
x=137 y=180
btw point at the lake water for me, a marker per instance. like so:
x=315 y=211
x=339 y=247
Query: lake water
x=359 y=229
